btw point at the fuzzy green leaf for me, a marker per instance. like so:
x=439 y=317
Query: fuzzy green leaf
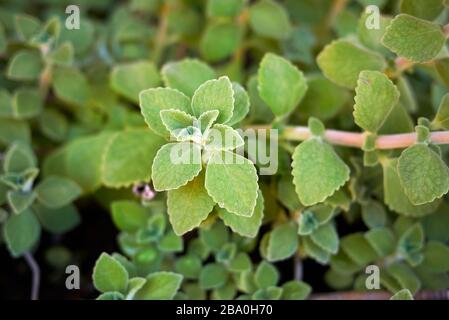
x=358 y=249
x=140 y=147
x=283 y=242
x=58 y=220
x=220 y=39
x=269 y=19
x=25 y=65
x=128 y=215
x=187 y=75
x=175 y=120
x=189 y=205
x=56 y=192
x=214 y=95
x=223 y=137
x=436 y=257
x=423 y=174
x=295 y=290
x=26 y=103
x=441 y=120
x=160 y=286
x=427 y=10
x=19 y=200
x=414 y=39
x=281 y=85
x=18 y=158
x=231 y=180
x=245 y=226
x=317 y=171
x=70 y=85
x=152 y=101
x=175 y=165
x=266 y=275
x=382 y=240
x=241 y=104
x=22 y=231
x=342 y=61
x=375 y=98
x=403 y=294
x=131 y=78
x=109 y=274
x=326 y=237
x=212 y=276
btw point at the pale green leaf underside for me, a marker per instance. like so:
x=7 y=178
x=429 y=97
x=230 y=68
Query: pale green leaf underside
x=223 y=137
x=189 y=205
x=231 y=180
x=375 y=98
x=423 y=174
x=317 y=171
x=413 y=38
x=175 y=165
x=174 y=120
x=161 y=285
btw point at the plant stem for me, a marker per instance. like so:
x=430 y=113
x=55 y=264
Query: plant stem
x=356 y=140
x=36 y=274
x=379 y=295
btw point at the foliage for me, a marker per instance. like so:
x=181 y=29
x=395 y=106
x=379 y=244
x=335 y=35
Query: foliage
x=96 y=117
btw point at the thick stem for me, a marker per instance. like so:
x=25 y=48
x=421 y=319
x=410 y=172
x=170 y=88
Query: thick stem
x=36 y=275
x=379 y=295
x=356 y=140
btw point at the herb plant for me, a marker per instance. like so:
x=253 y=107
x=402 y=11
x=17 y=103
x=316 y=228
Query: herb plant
x=168 y=113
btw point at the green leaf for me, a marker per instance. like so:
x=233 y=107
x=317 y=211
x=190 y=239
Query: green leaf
x=382 y=240
x=405 y=276
x=171 y=242
x=395 y=197
x=63 y=55
x=59 y=220
x=25 y=65
x=128 y=215
x=283 y=242
x=226 y=174
x=427 y=10
x=186 y=75
x=111 y=296
x=314 y=251
x=371 y=37
x=403 y=294
x=189 y=205
x=90 y=152
x=224 y=8
x=56 y=192
x=26 y=103
x=374 y=214
x=295 y=290
x=223 y=137
x=240 y=263
x=213 y=275
x=281 y=85
x=19 y=200
x=375 y=98
x=175 y=120
x=414 y=39
x=70 y=85
x=271 y=293
x=189 y=266
x=140 y=147
x=220 y=39
x=207 y=119
x=317 y=171
x=214 y=95
x=342 y=61
x=436 y=257
x=53 y=124
x=269 y=19
x=358 y=249
x=109 y=274
x=241 y=104
x=266 y=275
x=411 y=241
x=323 y=99
x=441 y=120
x=130 y=78
x=160 y=286
x=22 y=231
x=326 y=237
x=175 y=165
x=287 y=194
x=18 y=158
x=423 y=174
x=245 y=226
x=214 y=237
x=14 y=130
x=26 y=26
x=3 y=41
x=152 y=101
